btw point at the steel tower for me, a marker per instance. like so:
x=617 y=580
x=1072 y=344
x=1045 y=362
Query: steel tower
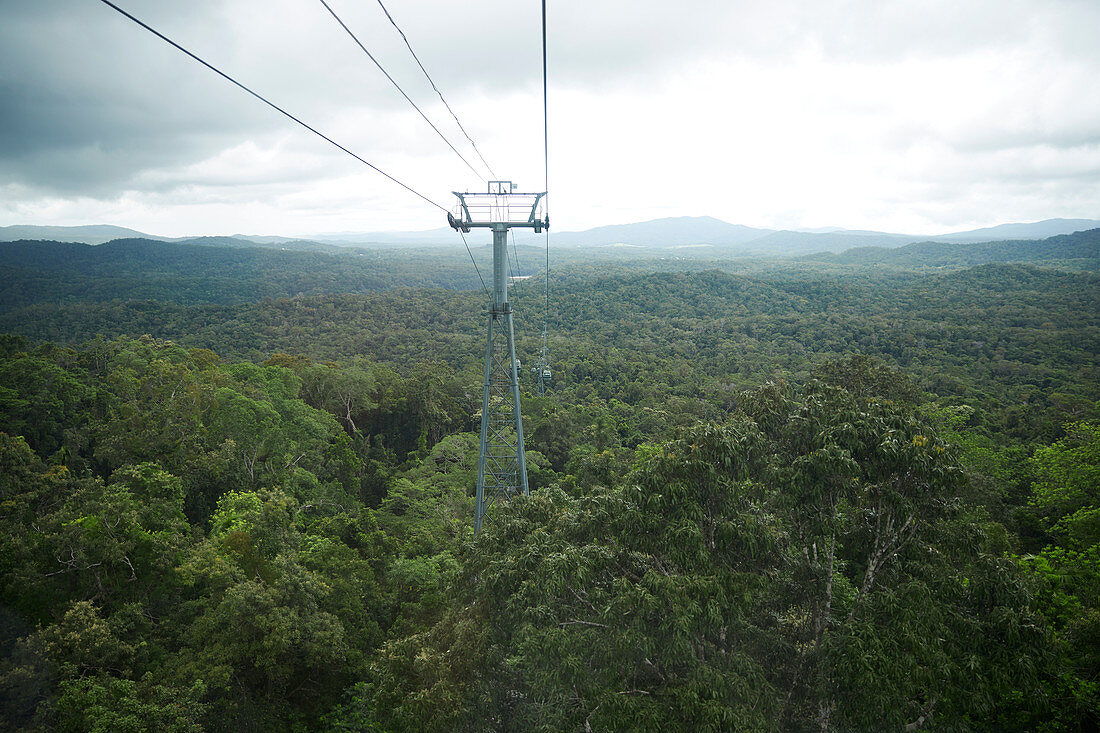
x=501 y=464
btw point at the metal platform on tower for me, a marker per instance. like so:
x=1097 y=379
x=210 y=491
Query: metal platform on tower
x=501 y=465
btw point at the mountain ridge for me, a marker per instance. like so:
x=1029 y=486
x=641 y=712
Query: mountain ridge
x=718 y=236
x=1082 y=246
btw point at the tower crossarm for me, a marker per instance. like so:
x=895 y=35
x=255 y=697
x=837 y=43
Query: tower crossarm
x=534 y=213
x=464 y=220
x=500 y=206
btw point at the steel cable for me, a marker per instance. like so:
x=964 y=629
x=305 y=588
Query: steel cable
x=269 y=103
x=398 y=87
x=432 y=82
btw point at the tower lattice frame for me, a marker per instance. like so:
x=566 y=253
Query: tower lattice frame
x=501 y=464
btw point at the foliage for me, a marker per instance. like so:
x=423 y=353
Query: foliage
x=767 y=495
x=749 y=576
x=1066 y=501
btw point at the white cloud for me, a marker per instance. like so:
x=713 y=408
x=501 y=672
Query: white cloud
x=906 y=116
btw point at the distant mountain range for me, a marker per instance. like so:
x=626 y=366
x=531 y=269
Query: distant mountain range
x=220 y=270
x=1034 y=230
x=89 y=234
x=1081 y=247
x=701 y=232
x=103 y=233
x=681 y=231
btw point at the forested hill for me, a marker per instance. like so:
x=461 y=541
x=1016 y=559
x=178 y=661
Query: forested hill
x=994 y=329
x=35 y=271
x=1080 y=250
x=228 y=271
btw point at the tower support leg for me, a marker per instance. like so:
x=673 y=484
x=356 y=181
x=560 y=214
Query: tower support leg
x=501 y=463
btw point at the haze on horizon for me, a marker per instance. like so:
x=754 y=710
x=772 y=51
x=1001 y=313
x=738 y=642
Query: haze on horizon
x=921 y=118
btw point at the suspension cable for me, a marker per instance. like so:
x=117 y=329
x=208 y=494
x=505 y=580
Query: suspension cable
x=484 y=289
x=269 y=103
x=508 y=264
x=398 y=87
x=515 y=252
x=430 y=81
x=545 y=167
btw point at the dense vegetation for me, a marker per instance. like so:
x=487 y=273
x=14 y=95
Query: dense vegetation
x=127 y=269
x=766 y=495
x=222 y=270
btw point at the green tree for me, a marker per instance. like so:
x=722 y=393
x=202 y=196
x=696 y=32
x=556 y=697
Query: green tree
x=40 y=400
x=1067 y=501
x=265 y=636
x=762 y=574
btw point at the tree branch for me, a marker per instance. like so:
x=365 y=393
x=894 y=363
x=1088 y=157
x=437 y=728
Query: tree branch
x=574 y=621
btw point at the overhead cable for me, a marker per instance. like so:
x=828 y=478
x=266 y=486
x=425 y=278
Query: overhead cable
x=398 y=87
x=269 y=103
x=545 y=165
x=545 y=116
x=430 y=81
x=515 y=252
x=484 y=289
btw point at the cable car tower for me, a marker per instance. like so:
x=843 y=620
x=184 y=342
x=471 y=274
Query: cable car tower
x=501 y=464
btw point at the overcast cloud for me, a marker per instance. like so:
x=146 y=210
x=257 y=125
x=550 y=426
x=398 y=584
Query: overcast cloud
x=918 y=117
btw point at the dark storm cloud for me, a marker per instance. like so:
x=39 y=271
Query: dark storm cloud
x=88 y=103
x=54 y=141
x=91 y=100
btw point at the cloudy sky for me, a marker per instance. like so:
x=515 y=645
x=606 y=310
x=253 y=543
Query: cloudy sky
x=916 y=116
